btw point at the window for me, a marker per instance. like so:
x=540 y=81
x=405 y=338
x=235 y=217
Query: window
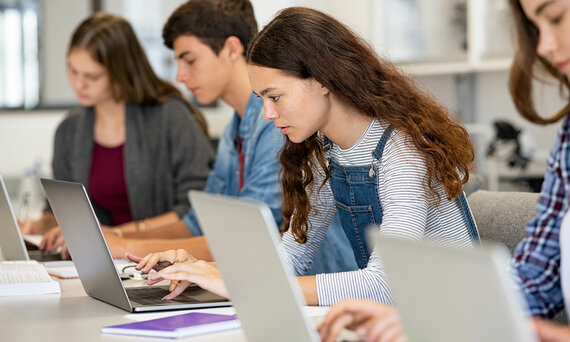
x=19 y=54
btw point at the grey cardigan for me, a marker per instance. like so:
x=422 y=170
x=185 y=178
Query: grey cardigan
x=166 y=154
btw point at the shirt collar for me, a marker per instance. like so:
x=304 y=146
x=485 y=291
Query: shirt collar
x=250 y=116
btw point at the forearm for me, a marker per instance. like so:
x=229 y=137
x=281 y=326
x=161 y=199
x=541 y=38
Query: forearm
x=542 y=294
x=371 y=280
x=165 y=226
x=196 y=246
x=177 y=230
x=309 y=288
x=46 y=222
x=539 y=281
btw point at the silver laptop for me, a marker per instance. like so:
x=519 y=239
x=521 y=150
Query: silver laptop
x=86 y=243
x=246 y=245
x=12 y=244
x=448 y=294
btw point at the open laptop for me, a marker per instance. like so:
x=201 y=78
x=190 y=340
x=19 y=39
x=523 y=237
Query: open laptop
x=448 y=294
x=86 y=243
x=12 y=242
x=246 y=245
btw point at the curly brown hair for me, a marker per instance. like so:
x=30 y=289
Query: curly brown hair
x=306 y=43
x=523 y=70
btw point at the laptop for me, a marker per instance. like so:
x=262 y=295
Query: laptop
x=12 y=244
x=448 y=294
x=101 y=280
x=246 y=245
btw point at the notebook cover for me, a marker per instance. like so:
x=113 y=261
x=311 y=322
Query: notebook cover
x=189 y=324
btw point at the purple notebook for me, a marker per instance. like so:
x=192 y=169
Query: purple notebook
x=186 y=325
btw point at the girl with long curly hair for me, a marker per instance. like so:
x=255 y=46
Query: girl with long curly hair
x=362 y=140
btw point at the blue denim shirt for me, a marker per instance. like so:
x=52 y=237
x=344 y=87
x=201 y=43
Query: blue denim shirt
x=261 y=143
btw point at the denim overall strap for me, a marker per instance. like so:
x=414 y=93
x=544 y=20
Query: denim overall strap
x=471 y=227
x=355 y=190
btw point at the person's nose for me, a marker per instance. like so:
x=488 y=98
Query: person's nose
x=546 y=43
x=182 y=73
x=269 y=112
x=79 y=82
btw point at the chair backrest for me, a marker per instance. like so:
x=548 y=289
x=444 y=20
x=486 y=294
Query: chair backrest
x=502 y=216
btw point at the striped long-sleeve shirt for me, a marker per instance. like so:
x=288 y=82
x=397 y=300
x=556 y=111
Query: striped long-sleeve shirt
x=536 y=260
x=408 y=212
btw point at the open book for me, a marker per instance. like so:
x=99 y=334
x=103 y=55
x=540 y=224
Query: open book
x=185 y=325
x=19 y=278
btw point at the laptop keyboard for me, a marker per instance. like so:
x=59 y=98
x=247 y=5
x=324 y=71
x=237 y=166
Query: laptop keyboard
x=153 y=296
x=42 y=256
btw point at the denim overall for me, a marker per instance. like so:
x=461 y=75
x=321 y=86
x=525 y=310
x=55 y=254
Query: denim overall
x=355 y=190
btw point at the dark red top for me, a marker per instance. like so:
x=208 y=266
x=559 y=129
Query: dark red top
x=107 y=185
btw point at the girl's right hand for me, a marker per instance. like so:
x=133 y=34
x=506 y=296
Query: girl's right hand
x=182 y=269
x=183 y=274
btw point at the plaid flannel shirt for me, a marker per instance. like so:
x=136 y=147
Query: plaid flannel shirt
x=536 y=261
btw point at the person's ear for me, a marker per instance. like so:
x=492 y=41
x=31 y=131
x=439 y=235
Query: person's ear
x=233 y=48
x=325 y=90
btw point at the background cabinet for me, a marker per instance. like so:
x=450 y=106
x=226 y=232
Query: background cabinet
x=433 y=37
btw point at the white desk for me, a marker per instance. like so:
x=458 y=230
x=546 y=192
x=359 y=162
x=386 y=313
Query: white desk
x=74 y=316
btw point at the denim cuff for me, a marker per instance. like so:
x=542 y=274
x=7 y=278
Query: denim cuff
x=192 y=224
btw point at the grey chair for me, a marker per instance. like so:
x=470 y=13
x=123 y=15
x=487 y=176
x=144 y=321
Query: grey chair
x=502 y=216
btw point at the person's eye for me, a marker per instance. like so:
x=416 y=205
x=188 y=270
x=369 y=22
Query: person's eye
x=190 y=62
x=92 y=78
x=554 y=15
x=556 y=20
x=274 y=98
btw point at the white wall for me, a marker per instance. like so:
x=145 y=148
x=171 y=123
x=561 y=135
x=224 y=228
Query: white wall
x=60 y=19
x=26 y=137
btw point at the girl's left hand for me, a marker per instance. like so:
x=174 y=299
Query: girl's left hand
x=160 y=260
